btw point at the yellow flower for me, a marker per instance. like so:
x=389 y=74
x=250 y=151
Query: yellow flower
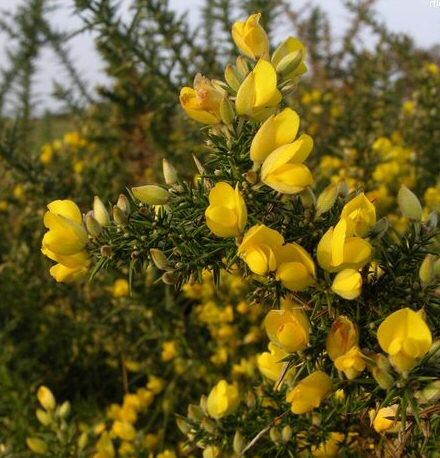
x=338 y=250
x=46 y=398
x=362 y=213
x=226 y=215
x=309 y=392
x=384 y=420
x=46 y=155
x=202 y=103
x=166 y=454
x=288 y=49
x=259 y=247
x=270 y=363
x=169 y=350
x=65 y=241
x=121 y=288
x=342 y=337
x=155 y=384
x=296 y=269
x=276 y=131
x=330 y=448
x=405 y=336
x=124 y=430
x=222 y=400
x=258 y=95
x=251 y=38
x=105 y=446
x=288 y=328
x=348 y=284
x=351 y=363
x=283 y=169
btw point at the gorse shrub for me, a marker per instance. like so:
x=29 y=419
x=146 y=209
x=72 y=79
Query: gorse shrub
x=351 y=304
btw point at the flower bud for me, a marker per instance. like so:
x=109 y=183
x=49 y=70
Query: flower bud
x=426 y=270
x=46 y=398
x=275 y=435
x=383 y=378
x=100 y=212
x=289 y=63
x=243 y=67
x=347 y=284
x=286 y=433
x=36 y=445
x=226 y=110
x=83 y=441
x=43 y=417
x=307 y=198
x=124 y=204
x=106 y=251
x=159 y=258
x=151 y=194
x=211 y=451
x=238 y=443
x=64 y=409
x=342 y=337
x=250 y=37
x=232 y=77
x=119 y=216
x=169 y=278
x=429 y=394
x=169 y=172
x=195 y=413
x=92 y=225
x=326 y=199
x=409 y=204
x=183 y=426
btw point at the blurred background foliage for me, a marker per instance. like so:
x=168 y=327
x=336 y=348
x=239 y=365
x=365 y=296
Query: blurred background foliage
x=373 y=112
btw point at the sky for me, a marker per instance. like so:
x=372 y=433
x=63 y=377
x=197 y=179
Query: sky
x=418 y=18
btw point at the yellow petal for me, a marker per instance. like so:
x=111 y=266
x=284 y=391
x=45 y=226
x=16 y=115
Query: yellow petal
x=277 y=130
x=266 y=92
x=66 y=208
x=289 y=178
x=348 y=284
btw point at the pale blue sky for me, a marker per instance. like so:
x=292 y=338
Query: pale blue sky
x=415 y=17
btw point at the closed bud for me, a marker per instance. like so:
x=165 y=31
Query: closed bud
x=169 y=172
x=307 y=198
x=343 y=335
x=64 y=409
x=251 y=400
x=100 y=212
x=275 y=435
x=208 y=425
x=380 y=229
x=383 y=378
x=429 y=394
x=183 y=426
x=123 y=204
x=151 y=194
x=232 y=77
x=169 y=278
x=226 y=110
x=43 y=417
x=326 y=199
x=199 y=165
x=83 y=441
x=251 y=176
x=286 y=434
x=432 y=222
x=238 y=443
x=409 y=204
x=243 y=67
x=426 y=271
x=92 y=225
x=36 y=445
x=46 y=398
x=159 y=258
x=119 y=216
x=289 y=63
x=195 y=413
